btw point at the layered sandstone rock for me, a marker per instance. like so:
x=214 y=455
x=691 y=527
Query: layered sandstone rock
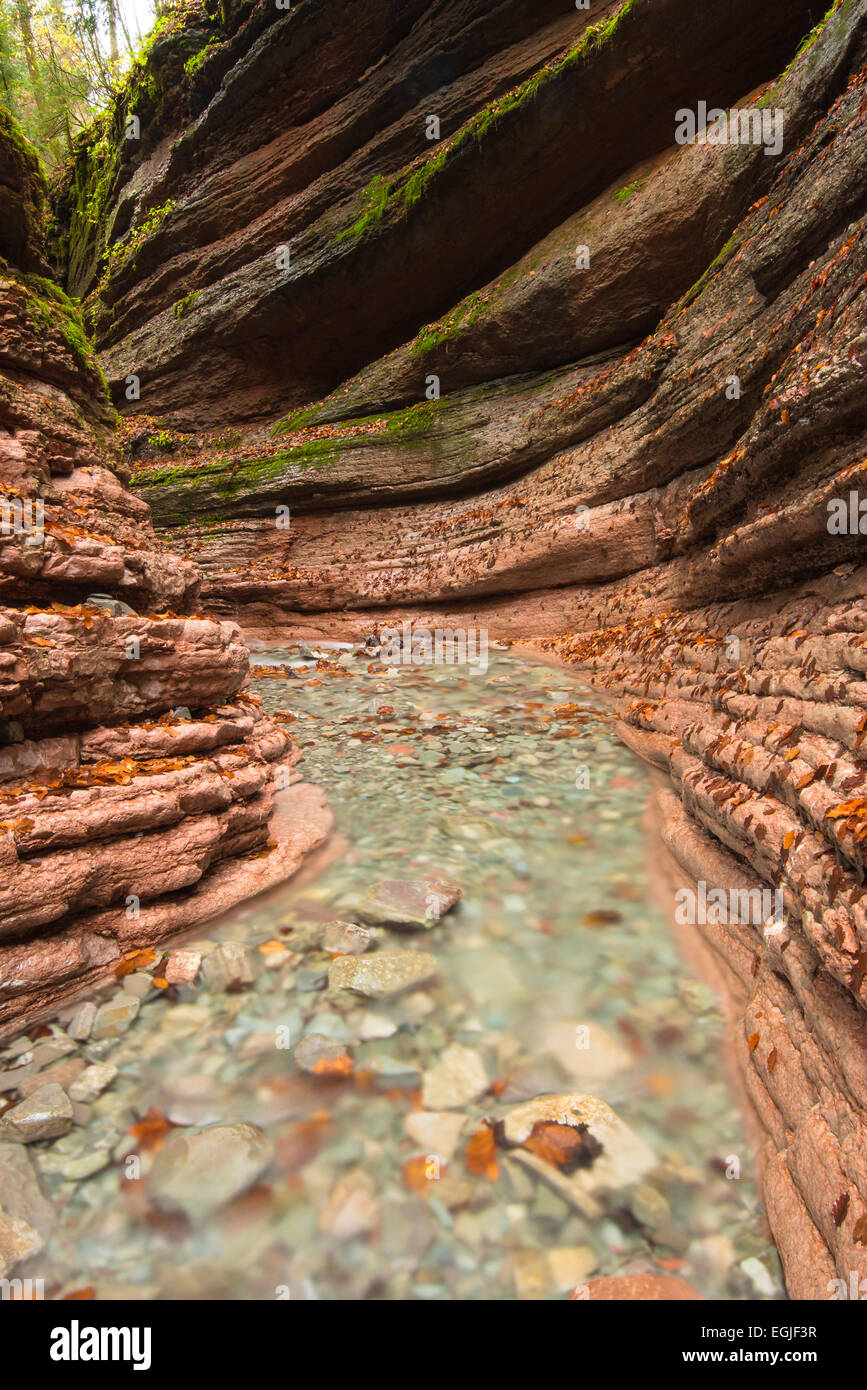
x=623 y=467
x=137 y=777
x=307 y=128
x=756 y=712
x=650 y=365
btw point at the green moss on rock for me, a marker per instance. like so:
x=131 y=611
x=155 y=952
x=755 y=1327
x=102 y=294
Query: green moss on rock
x=51 y=310
x=404 y=190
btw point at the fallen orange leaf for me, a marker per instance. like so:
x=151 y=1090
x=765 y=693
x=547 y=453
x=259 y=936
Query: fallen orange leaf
x=481 y=1154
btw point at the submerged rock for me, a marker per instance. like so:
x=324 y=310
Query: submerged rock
x=81 y=1024
x=198 y=1171
x=639 y=1288
x=384 y=974
x=182 y=967
x=352 y=1209
x=586 y=1052
x=435 y=1132
x=116 y=1016
x=610 y=1157
x=46 y=1114
x=230 y=966
x=457 y=1079
x=409 y=903
x=347 y=938
x=18 y=1241
x=92 y=1081
x=21 y=1194
x=322 y=1056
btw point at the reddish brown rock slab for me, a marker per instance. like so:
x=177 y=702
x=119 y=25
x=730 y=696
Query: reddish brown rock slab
x=56 y=971
x=642 y=1288
x=60 y=671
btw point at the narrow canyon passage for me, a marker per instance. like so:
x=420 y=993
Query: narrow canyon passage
x=368 y=1107
x=328 y=974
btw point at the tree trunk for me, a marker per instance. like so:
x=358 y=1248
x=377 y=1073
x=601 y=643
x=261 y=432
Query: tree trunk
x=126 y=34
x=7 y=72
x=29 y=46
x=111 y=14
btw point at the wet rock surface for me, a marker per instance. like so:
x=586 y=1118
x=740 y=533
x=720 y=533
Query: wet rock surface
x=383 y=975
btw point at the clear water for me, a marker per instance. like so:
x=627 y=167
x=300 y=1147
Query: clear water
x=511 y=782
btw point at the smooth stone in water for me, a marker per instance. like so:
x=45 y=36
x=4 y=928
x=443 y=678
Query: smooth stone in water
x=92 y=1082
x=77 y=1169
x=140 y=984
x=624 y=1159
x=82 y=1022
x=641 y=1288
x=347 y=938
x=45 y=1115
x=585 y=1051
x=20 y=1191
x=371 y=1027
x=228 y=965
x=44 y=1053
x=18 y=1241
x=183 y=967
x=62 y=1073
x=382 y=975
x=315 y=1051
x=352 y=1209
x=309 y=978
x=115 y=1017
x=199 y=1171
x=570 y=1265
x=393 y=1072
x=457 y=1079
x=409 y=903
x=435 y=1131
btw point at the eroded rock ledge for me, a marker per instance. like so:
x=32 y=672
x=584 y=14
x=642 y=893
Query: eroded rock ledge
x=137 y=776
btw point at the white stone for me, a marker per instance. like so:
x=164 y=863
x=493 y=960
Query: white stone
x=435 y=1131
x=92 y=1081
x=457 y=1079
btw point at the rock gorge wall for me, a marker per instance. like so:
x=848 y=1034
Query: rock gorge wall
x=124 y=817
x=634 y=457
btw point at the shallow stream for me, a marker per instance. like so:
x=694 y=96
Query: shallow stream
x=556 y=971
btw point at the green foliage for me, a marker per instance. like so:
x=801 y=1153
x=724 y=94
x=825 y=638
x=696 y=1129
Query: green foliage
x=724 y=254
x=183 y=306
x=192 y=65
x=412 y=419
x=121 y=251
x=461 y=317
x=51 y=310
x=624 y=194
x=60 y=63
x=806 y=43
x=374 y=201
x=296 y=420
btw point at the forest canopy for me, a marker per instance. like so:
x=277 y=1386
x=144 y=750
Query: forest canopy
x=61 y=61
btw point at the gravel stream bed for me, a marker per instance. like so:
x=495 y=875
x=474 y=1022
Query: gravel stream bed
x=368 y=1091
